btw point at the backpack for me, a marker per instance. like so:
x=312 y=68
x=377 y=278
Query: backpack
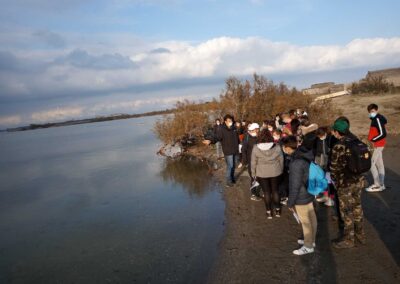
x=359 y=160
x=317 y=182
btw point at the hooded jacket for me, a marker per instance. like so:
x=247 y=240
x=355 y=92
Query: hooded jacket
x=298 y=177
x=377 y=131
x=266 y=160
x=229 y=139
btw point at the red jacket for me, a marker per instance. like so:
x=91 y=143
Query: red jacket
x=377 y=131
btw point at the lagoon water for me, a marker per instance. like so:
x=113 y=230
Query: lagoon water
x=93 y=203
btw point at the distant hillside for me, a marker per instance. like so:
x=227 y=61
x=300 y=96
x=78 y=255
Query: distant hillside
x=355 y=108
x=391 y=75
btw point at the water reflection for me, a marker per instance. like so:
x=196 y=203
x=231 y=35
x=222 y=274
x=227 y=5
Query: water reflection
x=189 y=172
x=87 y=203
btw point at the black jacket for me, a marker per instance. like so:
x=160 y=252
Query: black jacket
x=378 y=122
x=229 y=139
x=298 y=177
x=319 y=145
x=247 y=147
x=215 y=128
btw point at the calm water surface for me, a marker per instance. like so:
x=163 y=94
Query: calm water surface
x=93 y=203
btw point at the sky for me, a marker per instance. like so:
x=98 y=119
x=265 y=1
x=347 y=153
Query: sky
x=71 y=59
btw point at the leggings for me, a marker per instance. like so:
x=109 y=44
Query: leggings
x=270 y=187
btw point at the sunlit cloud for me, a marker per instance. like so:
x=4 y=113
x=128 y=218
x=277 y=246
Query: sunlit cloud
x=10 y=120
x=77 y=74
x=57 y=114
x=83 y=70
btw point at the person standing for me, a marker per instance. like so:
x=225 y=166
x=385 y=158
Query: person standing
x=300 y=200
x=349 y=187
x=218 y=147
x=249 y=141
x=229 y=138
x=322 y=153
x=267 y=166
x=377 y=135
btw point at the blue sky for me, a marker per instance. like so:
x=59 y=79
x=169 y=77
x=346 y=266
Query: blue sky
x=70 y=59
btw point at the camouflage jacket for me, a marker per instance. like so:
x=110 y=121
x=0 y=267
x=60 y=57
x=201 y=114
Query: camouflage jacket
x=340 y=175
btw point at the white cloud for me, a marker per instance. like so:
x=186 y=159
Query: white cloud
x=56 y=114
x=89 y=70
x=109 y=69
x=10 y=120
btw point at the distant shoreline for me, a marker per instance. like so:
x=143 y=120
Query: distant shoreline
x=86 y=120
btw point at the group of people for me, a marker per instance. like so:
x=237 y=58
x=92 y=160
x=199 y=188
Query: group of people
x=278 y=155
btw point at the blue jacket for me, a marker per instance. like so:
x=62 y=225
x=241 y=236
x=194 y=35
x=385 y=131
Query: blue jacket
x=298 y=177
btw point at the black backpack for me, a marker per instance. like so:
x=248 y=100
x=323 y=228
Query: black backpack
x=359 y=160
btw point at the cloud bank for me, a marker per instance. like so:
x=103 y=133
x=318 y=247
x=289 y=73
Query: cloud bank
x=67 y=69
x=85 y=70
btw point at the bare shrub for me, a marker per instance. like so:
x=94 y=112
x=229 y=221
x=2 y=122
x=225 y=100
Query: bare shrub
x=372 y=85
x=188 y=120
x=252 y=101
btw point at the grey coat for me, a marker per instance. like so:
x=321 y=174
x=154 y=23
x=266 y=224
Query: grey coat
x=266 y=163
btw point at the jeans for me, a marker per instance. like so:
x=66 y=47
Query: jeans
x=218 y=149
x=377 y=167
x=230 y=168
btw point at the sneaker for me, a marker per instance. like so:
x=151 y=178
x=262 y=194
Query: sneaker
x=269 y=215
x=229 y=184
x=277 y=213
x=255 y=198
x=301 y=242
x=329 y=202
x=383 y=187
x=322 y=199
x=374 y=188
x=284 y=201
x=303 y=250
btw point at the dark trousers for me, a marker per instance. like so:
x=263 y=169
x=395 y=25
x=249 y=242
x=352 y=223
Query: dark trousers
x=270 y=187
x=284 y=185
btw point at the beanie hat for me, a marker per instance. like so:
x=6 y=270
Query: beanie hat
x=341 y=126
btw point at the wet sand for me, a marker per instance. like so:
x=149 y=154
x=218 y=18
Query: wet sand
x=257 y=250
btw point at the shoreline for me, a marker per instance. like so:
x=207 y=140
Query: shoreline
x=86 y=120
x=256 y=250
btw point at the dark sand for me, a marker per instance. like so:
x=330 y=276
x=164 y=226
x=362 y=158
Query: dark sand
x=257 y=250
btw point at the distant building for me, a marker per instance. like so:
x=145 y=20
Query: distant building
x=324 y=89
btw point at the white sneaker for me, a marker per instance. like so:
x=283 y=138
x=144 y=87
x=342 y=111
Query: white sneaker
x=383 y=187
x=301 y=242
x=303 y=250
x=329 y=202
x=374 y=188
x=322 y=199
